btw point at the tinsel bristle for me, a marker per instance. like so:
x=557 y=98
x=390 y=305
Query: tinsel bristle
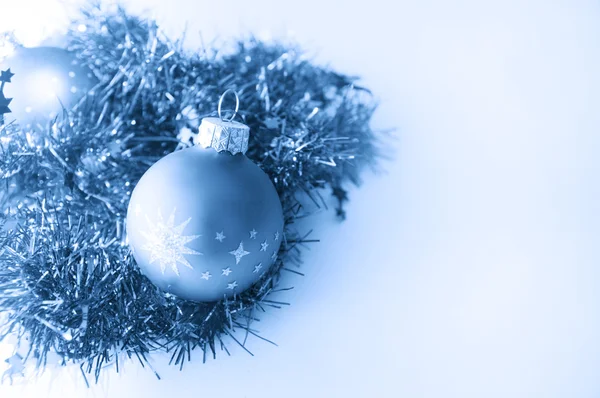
x=67 y=279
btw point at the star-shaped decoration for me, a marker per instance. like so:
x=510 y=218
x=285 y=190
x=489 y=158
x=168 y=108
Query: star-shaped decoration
x=263 y=246
x=6 y=75
x=257 y=267
x=239 y=253
x=232 y=285
x=206 y=275
x=167 y=244
x=253 y=234
x=276 y=236
x=220 y=236
x=4 y=102
x=16 y=367
x=274 y=255
x=226 y=271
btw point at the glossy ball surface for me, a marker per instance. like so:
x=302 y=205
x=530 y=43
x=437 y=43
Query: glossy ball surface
x=204 y=225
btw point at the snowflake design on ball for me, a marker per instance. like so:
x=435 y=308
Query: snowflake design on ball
x=167 y=244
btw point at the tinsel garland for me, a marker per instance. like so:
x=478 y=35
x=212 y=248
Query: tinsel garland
x=68 y=282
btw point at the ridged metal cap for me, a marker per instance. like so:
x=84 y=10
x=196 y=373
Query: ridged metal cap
x=223 y=135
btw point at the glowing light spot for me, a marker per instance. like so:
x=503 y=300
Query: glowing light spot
x=71 y=74
x=43 y=88
x=82 y=28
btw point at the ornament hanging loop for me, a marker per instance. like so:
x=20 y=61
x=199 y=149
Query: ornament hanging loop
x=237 y=105
x=224 y=134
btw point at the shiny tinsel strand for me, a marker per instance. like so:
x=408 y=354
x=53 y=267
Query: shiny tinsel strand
x=67 y=279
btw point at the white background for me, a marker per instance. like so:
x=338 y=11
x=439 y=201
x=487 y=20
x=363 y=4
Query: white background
x=470 y=268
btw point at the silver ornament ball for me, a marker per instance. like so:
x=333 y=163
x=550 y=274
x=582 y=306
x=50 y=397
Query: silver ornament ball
x=205 y=223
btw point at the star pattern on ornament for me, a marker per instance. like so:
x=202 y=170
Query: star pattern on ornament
x=232 y=285
x=257 y=268
x=276 y=236
x=226 y=271
x=263 y=246
x=16 y=367
x=206 y=275
x=220 y=236
x=167 y=244
x=274 y=256
x=6 y=75
x=239 y=253
x=253 y=234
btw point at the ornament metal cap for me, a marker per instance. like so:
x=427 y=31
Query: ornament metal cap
x=224 y=134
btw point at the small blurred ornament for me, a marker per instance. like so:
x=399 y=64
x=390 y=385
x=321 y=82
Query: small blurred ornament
x=48 y=79
x=205 y=222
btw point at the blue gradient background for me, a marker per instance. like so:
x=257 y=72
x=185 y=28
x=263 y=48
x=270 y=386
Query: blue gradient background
x=470 y=267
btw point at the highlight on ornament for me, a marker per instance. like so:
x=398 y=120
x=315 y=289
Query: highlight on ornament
x=140 y=200
x=49 y=80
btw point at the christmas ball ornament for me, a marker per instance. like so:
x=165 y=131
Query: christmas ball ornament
x=205 y=223
x=47 y=79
